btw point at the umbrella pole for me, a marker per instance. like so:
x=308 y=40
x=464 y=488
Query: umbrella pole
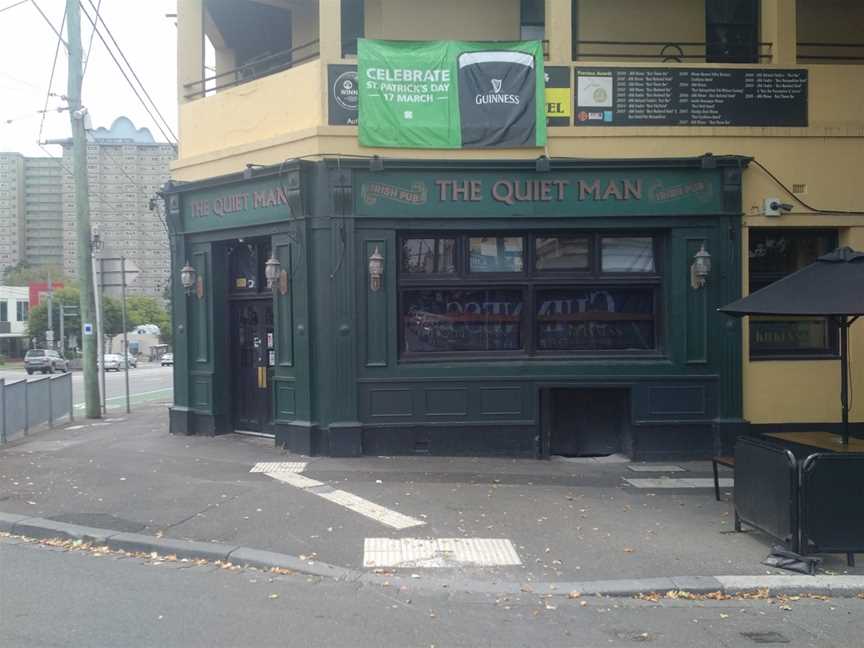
x=844 y=377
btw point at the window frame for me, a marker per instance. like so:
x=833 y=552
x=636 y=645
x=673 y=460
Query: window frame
x=763 y=279
x=530 y=281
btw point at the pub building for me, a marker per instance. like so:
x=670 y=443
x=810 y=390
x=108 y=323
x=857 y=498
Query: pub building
x=519 y=308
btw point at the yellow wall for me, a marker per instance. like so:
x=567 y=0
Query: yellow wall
x=443 y=19
x=289 y=101
x=807 y=391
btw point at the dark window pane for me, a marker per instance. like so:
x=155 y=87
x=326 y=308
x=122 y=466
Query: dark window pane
x=773 y=254
x=428 y=256
x=791 y=335
x=353 y=26
x=595 y=319
x=462 y=320
x=243 y=262
x=627 y=254
x=562 y=253
x=782 y=252
x=496 y=253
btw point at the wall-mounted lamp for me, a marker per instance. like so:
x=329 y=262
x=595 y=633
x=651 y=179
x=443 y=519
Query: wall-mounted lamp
x=700 y=268
x=277 y=278
x=542 y=164
x=188 y=277
x=376 y=270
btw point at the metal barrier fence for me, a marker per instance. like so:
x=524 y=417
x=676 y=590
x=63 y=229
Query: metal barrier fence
x=832 y=504
x=766 y=490
x=26 y=404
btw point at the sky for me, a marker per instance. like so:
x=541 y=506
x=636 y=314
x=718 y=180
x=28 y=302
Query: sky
x=27 y=44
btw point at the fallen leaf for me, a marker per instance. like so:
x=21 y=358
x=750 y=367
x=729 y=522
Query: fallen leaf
x=273 y=596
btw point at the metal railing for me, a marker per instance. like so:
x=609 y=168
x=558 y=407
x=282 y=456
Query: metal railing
x=254 y=69
x=663 y=51
x=847 y=52
x=26 y=404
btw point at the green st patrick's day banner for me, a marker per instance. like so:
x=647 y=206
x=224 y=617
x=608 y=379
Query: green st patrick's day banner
x=451 y=94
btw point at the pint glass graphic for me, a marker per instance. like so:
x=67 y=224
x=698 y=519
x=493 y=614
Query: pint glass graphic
x=497 y=99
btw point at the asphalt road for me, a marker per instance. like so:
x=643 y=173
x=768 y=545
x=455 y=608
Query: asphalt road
x=148 y=382
x=52 y=597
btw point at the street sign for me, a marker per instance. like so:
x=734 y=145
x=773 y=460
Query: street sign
x=88 y=329
x=112 y=272
x=49 y=336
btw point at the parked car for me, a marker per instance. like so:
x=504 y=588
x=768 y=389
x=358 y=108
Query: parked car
x=112 y=362
x=167 y=359
x=132 y=360
x=44 y=360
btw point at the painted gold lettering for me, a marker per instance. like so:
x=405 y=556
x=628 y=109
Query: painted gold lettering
x=475 y=195
x=633 y=189
x=502 y=191
x=612 y=191
x=589 y=190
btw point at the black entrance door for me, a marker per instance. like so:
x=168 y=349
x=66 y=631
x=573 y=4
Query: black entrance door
x=588 y=422
x=252 y=360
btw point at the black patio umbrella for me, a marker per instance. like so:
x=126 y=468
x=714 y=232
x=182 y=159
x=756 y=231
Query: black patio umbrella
x=832 y=286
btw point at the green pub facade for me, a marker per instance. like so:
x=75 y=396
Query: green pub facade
x=490 y=308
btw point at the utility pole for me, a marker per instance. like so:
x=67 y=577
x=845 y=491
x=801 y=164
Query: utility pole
x=82 y=210
x=49 y=334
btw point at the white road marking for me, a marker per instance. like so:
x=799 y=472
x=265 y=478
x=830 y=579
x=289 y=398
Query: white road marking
x=371 y=509
x=680 y=483
x=75 y=427
x=279 y=466
x=295 y=480
x=352 y=502
x=438 y=552
x=655 y=468
x=132 y=396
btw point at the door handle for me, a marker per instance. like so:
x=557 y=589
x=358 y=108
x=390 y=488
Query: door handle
x=262 y=377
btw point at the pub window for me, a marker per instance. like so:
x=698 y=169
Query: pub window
x=495 y=253
x=462 y=320
x=562 y=252
x=533 y=20
x=21 y=311
x=429 y=255
x=246 y=261
x=4 y=311
x=528 y=294
x=627 y=254
x=595 y=318
x=353 y=25
x=732 y=31
x=773 y=254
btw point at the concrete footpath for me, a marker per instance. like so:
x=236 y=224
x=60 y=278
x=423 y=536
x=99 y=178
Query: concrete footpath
x=460 y=524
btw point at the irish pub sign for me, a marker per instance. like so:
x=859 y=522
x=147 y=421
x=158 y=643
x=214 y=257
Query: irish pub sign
x=585 y=193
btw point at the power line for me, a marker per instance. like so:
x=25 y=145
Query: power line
x=126 y=76
x=50 y=24
x=51 y=79
x=12 y=6
x=796 y=198
x=90 y=44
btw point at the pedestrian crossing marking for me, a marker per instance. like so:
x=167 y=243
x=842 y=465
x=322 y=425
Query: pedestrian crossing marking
x=439 y=552
x=279 y=466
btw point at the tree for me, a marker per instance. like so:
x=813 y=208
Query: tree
x=142 y=310
x=23 y=274
x=37 y=321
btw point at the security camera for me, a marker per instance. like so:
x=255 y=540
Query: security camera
x=773 y=207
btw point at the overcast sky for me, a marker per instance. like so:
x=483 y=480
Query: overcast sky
x=27 y=42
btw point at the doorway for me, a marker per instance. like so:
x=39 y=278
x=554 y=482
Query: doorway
x=588 y=422
x=252 y=360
